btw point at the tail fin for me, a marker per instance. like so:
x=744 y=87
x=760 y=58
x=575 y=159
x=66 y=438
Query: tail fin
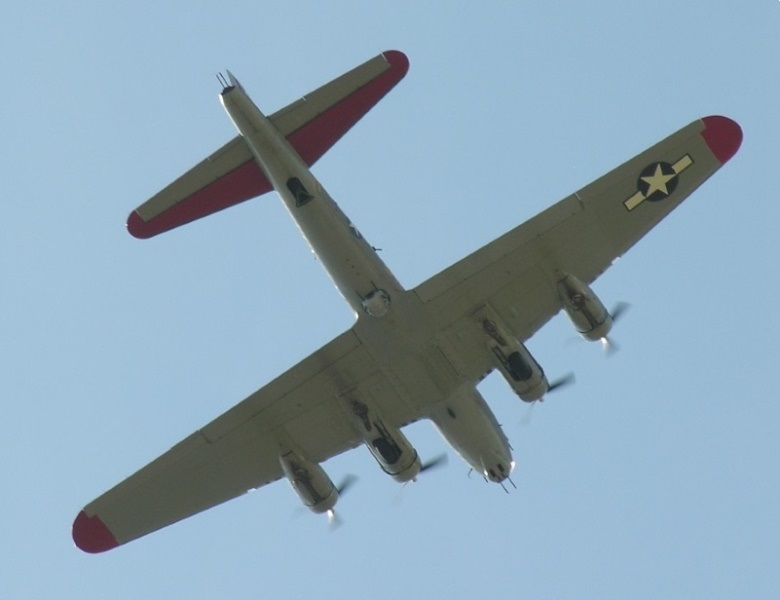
x=311 y=124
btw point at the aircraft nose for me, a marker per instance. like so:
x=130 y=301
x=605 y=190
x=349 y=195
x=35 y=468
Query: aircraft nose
x=499 y=471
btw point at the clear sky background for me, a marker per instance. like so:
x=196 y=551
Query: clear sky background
x=656 y=475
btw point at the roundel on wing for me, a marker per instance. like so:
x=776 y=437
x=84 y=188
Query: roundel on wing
x=657 y=181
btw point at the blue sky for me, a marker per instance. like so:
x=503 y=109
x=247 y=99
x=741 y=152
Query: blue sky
x=654 y=476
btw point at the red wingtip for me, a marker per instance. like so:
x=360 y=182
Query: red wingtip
x=91 y=534
x=723 y=136
x=398 y=61
x=139 y=228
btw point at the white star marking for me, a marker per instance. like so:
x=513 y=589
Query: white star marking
x=657 y=182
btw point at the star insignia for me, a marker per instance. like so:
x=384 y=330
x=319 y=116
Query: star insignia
x=657 y=181
x=662 y=179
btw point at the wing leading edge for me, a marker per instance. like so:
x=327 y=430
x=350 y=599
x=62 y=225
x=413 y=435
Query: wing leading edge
x=311 y=124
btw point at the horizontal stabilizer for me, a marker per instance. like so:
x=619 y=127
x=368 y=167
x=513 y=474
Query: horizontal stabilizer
x=311 y=124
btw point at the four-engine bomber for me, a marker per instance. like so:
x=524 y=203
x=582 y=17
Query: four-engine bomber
x=411 y=354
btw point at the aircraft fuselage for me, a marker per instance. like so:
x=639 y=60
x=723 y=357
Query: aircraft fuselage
x=352 y=263
x=391 y=322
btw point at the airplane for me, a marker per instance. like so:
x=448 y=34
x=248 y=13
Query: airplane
x=411 y=354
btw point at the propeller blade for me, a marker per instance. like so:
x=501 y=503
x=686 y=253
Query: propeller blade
x=345 y=484
x=609 y=346
x=619 y=310
x=562 y=382
x=529 y=413
x=334 y=521
x=399 y=497
x=437 y=461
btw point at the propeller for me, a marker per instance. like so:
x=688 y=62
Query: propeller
x=435 y=462
x=567 y=379
x=619 y=310
x=609 y=346
x=334 y=521
x=525 y=421
x=346 y=483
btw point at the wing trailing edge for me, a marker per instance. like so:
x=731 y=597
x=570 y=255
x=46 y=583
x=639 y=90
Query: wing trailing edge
x=312 y=124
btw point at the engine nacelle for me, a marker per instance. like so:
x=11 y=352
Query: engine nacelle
x=585 y=310
x=514 y=361
x=310 y=482
x=387 y=444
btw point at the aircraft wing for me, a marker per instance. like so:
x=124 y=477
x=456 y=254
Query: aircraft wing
x=581 y=235
x=239 y=451
x=312 y=124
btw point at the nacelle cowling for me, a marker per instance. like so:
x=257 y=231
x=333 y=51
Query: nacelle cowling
x=514 y=361
x=387 y=444
x=310 y=482
x=585 y=310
